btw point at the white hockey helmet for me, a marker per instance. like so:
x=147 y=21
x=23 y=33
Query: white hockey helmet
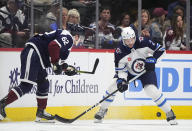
x=128 y=36
x=127 y=33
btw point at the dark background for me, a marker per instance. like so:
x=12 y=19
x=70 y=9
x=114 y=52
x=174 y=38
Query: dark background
x=130 y=6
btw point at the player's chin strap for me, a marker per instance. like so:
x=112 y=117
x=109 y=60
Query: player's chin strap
x=65 y=120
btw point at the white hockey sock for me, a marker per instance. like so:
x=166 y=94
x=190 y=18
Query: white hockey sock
x=109 y=100
x=157 y=97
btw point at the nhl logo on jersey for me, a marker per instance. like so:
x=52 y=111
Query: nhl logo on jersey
x=138 y=65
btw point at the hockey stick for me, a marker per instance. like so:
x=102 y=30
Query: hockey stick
x=94 y=68
x=64 y=120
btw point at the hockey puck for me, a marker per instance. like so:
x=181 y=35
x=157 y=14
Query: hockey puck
x=158 y=114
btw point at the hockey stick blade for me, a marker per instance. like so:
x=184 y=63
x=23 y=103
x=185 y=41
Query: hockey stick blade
x=64 y=120
x=94 y=68
x=95 y=65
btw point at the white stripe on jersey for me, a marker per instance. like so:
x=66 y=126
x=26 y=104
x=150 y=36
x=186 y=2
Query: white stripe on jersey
x=41 y=97
x=28 y=63
x=17 y=94
x=58 y=43
x=28 y=81
x=65 y=32
x=34 y=46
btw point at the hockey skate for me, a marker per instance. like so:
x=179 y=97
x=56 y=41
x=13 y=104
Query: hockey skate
x=44 y=117
x=2 y=110
x=100 y=115
x=171 y=118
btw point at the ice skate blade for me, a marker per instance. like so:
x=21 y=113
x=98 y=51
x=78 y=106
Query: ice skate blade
x=173 y=122
x=42 y=120
x=98 y=121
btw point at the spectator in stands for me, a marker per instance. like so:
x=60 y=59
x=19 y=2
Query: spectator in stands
x=86 y=9
x=13 y=25
x=74 y=21
x=156 y=33
x=42 y=2
x=145 y=23
x=55 y=25
x=73 y=16
x=174 y=36
x=124 y=20
x=51 y=15
x=181 y=3
x=171 y=7
x=177 y=10
x=105 y=29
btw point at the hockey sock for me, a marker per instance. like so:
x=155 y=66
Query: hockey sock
x=108 y=101
x=157 y=97
x=41 y=103
x=11 y=97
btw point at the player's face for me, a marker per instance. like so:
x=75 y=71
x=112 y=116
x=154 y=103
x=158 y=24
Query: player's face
x=129 y=42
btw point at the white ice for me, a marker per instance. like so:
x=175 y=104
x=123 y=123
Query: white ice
x=107 y=125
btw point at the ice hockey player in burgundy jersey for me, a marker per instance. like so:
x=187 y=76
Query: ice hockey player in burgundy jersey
x=50 y=49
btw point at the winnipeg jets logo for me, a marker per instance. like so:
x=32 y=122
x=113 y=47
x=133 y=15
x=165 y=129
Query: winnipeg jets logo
x=138 y=65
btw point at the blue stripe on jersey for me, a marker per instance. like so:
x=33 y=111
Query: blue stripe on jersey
x=117 y=69
x=108 y=93
x=158 y=98
x=160 y=105
x=108 y=100
x=158 y=45
x=162 y=49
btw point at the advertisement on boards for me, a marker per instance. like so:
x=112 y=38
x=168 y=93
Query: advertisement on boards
x=173 y=74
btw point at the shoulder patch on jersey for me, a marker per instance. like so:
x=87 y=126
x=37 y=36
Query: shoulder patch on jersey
x=65 y=32
x=118 y=50
x=141 y=38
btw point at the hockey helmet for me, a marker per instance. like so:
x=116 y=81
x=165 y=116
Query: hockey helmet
x=128 y=36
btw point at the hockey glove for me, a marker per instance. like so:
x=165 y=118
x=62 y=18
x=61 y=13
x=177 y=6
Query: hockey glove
x=121 y=85
x=150 y=64
x=70 y=70
x=57 y=69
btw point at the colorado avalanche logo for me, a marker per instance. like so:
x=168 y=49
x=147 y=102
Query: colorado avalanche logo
x=141 y=38
x=14 y=78
x=138 y=65
x=118 y=50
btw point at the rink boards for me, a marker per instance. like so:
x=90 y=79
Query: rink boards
x=70 y=96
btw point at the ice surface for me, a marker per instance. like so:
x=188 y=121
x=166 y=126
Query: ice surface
x=107 y=125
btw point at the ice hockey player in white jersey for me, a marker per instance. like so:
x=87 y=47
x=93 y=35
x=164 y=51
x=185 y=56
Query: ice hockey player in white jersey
x=132 y=56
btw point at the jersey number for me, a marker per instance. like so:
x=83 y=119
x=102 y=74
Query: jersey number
x=65 y=40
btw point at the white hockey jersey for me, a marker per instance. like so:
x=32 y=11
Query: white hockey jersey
x=132 y=60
